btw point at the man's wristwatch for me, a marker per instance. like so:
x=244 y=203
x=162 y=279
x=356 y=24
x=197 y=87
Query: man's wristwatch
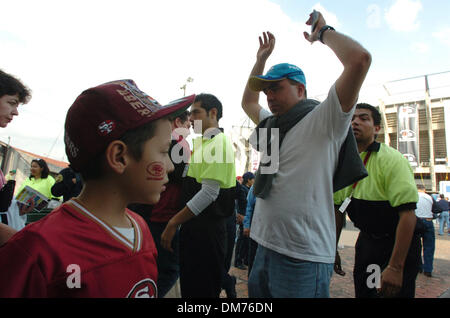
x=322 y=31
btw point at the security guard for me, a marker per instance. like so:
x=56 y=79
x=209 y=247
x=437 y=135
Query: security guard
x=383 y=207
x=209 y=190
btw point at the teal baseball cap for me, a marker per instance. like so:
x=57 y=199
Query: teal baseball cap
x=277 y=73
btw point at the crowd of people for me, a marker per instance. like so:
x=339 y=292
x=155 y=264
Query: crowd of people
x=141 y=209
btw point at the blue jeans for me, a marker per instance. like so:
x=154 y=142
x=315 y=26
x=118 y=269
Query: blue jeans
x=279 y=276
x=428 y=242
x=167 y=262
x=443 y=219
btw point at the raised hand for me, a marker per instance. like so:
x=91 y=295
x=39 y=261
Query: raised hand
x=314 y=36
x=266 y=46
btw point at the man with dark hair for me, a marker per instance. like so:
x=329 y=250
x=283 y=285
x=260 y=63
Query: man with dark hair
x=382 y=207
x=208 y=192
x=209 y=102
x=375 y=113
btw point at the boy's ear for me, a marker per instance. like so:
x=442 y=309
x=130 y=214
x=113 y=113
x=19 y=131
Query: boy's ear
x=117 y=156
x=177 y=122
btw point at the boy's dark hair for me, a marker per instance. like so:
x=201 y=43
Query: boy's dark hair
x=134 y=139
x=10 y=85
x=375 y=113
x=183 y=116
x=209 y=102
x=43 y=164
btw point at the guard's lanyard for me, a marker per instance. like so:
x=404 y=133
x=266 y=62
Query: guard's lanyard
x=366 y=159
x=347 y=200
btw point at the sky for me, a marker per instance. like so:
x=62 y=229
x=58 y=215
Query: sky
x=60 y=48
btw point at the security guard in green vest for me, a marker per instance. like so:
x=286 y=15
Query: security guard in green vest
x=382 y=206
x=209 y=190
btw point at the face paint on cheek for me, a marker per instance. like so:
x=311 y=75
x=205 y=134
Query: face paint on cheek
x=156 y=171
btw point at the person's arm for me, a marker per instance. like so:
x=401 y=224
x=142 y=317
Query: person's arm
x=59 y=188
x=208 y=194
x=355 y=59
x=251 y=200
x=6 y=195
x=5 y=233
x=250 y=99
x=392 y=276
x=339 y=216
x=169 y=232
x=50 y=183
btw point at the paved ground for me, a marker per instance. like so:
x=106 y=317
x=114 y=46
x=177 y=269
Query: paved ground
x=342 y=287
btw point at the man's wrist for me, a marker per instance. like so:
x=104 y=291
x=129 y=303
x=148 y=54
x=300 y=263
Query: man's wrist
x=395 y=268
x=258 y=69
x=173 y=222
x=323 y=30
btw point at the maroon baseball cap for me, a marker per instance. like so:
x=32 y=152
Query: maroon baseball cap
x=105 y=113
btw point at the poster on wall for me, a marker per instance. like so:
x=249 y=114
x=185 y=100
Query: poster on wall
x=408 y=133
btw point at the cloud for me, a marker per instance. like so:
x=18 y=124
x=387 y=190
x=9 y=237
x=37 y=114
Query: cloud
x=330 y=17
x=402 y=15
x=443 y=35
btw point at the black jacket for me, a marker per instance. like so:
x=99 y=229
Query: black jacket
x=66 y=187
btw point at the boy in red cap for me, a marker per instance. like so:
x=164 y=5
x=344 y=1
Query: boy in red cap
x=118 y=138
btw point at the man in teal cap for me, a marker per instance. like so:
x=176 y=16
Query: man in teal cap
x=294 y=222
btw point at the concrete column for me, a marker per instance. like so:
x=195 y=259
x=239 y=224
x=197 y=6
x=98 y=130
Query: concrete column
x=387 y=139
x=430 y=134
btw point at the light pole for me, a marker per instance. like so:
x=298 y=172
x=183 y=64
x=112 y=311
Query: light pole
x=188 y=80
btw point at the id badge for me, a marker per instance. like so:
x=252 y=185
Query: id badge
x=185 y=171
x=345 y=204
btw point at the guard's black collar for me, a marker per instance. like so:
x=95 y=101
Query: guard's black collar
x=212 y=132
x=374 y=147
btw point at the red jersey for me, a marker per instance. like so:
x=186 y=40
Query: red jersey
x=72 y=253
